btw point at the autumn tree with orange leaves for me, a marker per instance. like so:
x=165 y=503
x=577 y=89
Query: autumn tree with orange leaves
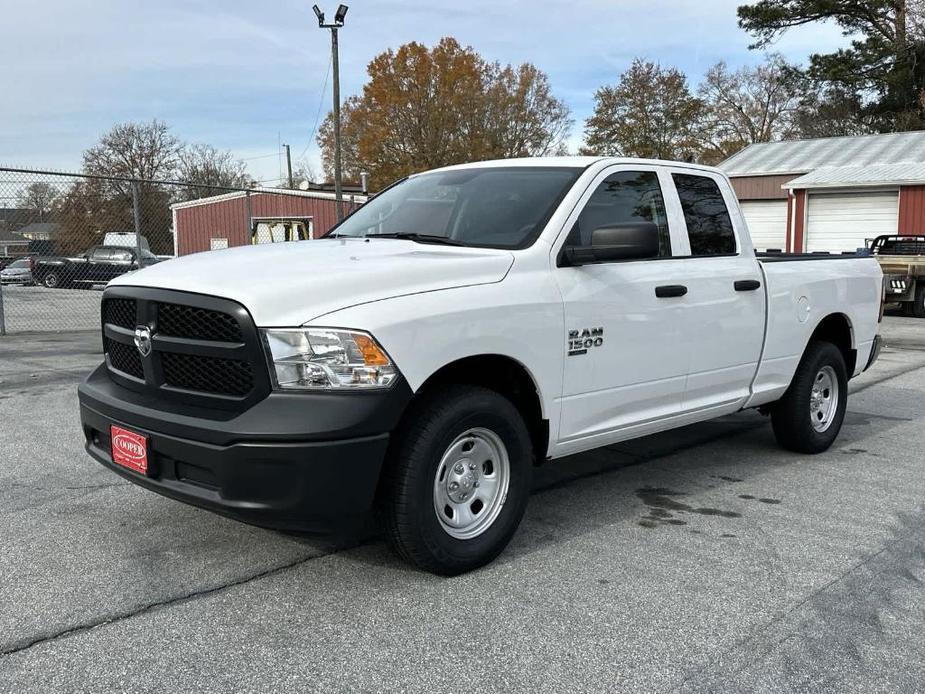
x=423 y=108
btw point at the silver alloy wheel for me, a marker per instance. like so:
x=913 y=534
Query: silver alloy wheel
x=823 y=399
x=471 y=483
x=51 y=280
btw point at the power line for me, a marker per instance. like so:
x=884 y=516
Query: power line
x=262 y=156
x=324 y=90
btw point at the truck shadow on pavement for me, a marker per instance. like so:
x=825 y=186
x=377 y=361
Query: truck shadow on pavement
x=703 y=479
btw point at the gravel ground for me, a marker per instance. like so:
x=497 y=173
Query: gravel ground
x=700 y=560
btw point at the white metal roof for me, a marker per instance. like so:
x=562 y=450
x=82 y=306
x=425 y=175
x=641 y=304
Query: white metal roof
x=275 y=191
x=902 y=173
x=803 y=156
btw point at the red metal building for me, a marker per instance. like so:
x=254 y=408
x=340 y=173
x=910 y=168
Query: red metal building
x=831 y=194
x=261 y=215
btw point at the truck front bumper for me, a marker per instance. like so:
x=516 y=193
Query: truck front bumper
x=304 y=462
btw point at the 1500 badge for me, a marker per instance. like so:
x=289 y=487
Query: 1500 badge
x=580 y=341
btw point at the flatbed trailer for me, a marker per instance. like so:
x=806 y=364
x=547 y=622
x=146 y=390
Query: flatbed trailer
x=902 y=259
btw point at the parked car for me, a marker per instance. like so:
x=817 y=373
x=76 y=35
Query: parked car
x=462 y=327
x=98 y=265
x=902 y=259
x=18 y=272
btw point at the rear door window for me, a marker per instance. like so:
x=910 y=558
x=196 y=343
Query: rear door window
x=709 y=227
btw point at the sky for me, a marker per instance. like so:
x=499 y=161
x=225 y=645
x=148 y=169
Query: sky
x=247 y=76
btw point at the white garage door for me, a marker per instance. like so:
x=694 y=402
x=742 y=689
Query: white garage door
x=767 y=223
x=843 y=222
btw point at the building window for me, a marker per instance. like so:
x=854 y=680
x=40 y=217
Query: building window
x=280 y=229
x=218 y=242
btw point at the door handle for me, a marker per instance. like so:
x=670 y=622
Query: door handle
x=747 y=285
x=670 y=290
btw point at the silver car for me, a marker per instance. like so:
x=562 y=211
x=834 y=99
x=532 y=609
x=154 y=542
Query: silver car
x=17 y=272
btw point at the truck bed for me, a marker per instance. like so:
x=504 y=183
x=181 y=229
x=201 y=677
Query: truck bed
x=789 y=257
x=799 y=295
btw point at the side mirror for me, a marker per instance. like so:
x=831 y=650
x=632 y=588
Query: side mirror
x=624 y=241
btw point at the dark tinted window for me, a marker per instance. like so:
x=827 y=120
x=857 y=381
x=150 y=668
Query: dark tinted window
x=500 y=207
x=708 y=225
x=628 y=196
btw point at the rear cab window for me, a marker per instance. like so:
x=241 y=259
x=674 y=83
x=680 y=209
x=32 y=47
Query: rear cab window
x=709 y=226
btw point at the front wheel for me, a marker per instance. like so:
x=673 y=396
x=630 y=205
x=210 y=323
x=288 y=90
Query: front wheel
x=457 y=480
x=810 y=415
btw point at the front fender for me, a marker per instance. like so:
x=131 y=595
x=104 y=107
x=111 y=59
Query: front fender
x=519 y=318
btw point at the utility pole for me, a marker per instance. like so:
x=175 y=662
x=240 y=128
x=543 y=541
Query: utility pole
x=338 y=22
x=289 y=166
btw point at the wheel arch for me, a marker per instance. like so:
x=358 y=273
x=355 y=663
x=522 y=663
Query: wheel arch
x=504 y=375
x=837 y=329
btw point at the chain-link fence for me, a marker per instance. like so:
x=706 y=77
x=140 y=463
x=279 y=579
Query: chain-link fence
x=64 y=236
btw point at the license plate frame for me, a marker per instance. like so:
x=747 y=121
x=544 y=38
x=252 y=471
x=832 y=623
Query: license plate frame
x=129 y=449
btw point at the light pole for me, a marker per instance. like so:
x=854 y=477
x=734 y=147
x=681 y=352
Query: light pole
x=338 y=22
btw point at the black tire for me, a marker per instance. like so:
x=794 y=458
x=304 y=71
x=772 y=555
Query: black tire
x=792 y=415
x=52 y=280
x=918 y=308
x=410 y=479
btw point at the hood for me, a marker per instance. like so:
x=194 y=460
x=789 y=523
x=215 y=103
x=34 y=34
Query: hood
x=16 y=271
x=288 y=284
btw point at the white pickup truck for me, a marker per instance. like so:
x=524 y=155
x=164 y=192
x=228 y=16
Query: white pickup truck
x=462 y=327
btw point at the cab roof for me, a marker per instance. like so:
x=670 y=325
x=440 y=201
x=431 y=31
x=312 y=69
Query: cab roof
x=576 y=162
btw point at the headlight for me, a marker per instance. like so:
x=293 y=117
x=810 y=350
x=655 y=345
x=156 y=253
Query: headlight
x=325 y=359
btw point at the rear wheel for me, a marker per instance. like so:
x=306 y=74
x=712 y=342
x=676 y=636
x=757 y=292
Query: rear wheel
x=810 y=415
x=918 y=307
x=52 y=279
x=458 y=480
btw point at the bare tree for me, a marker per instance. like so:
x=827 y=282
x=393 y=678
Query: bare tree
x=745 y=106
x=39 y=198
x=146 y=151
x=522 y=116
x=304 y=172
x=204 y=165
x=135 y=150
x=650 y=113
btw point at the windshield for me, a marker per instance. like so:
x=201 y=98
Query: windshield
x=494 y=207
x=19 y=263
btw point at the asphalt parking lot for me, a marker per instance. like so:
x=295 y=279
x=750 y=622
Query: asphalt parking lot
x=700 y=560
x=28 y=309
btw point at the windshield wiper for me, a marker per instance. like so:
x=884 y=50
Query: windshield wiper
x=418 y=238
